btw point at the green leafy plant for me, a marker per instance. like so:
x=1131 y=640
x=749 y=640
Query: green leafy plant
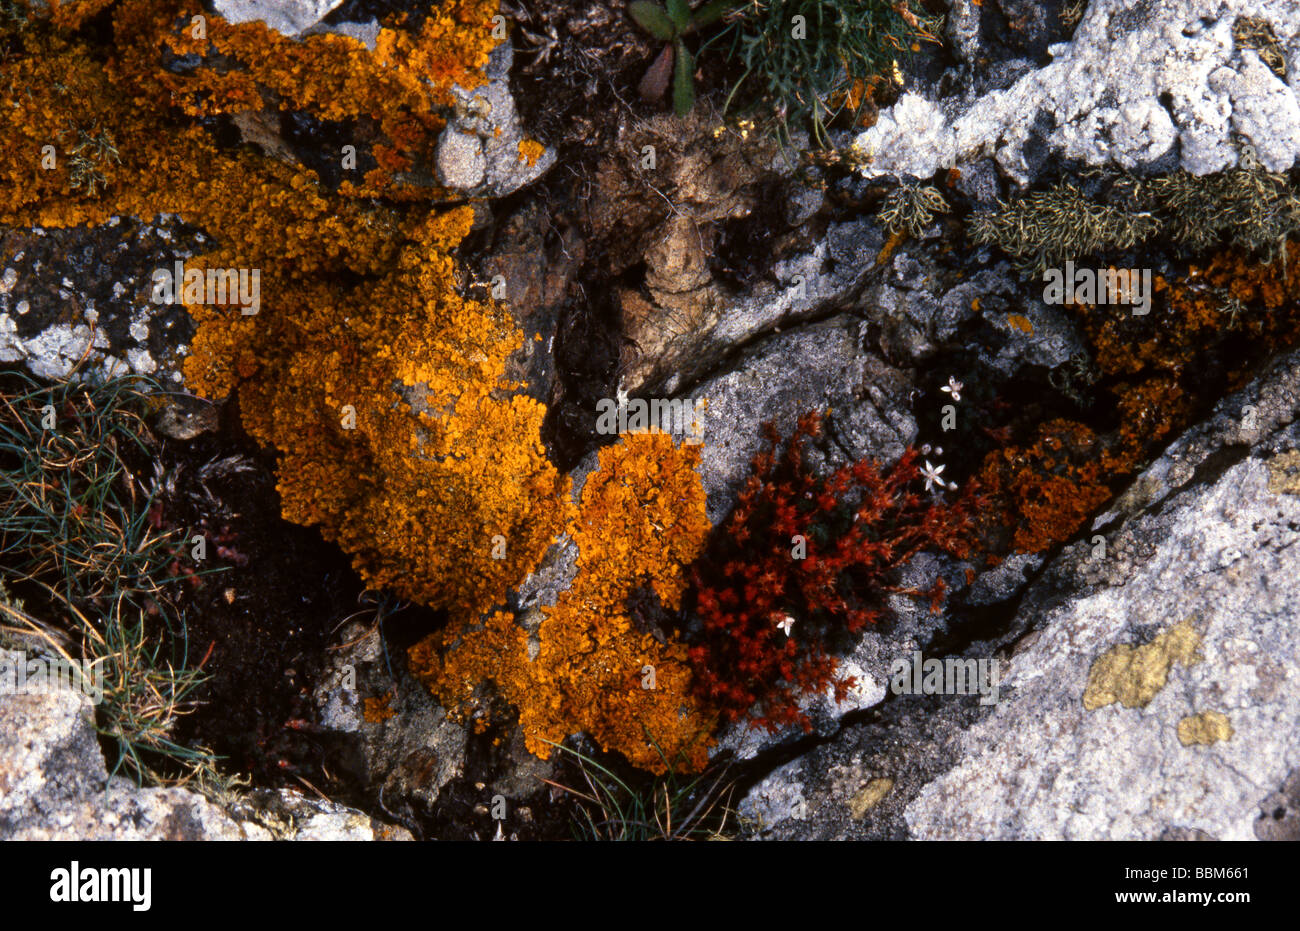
x=671 y=23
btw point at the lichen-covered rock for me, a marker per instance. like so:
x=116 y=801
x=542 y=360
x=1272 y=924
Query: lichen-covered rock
x=1158 y=704
x=461 y=163
x=82 y=297
x=599 y=661
x=1140 y=80
x=484 y=151
x=922 y=309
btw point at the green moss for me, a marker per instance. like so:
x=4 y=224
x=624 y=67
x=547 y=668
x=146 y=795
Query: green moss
x=1043 y=229
x=1246 y=208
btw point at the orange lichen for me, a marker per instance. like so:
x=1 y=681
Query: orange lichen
x=1017 y=321
x=530 y=151
x=445 y=497
x=1203 y=330
x=1047 y=490
x=640 y=522
x=382 y=390
x=377 y=708
x=355 y=299
x=70 y=14
x=1195 y=312
x=398 y=91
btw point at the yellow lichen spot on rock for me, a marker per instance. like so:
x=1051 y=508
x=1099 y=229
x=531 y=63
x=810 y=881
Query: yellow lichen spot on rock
x=530 y=150
x=1205 y=728
x=869 y=796
x=1133 y=675
x=1284 y=473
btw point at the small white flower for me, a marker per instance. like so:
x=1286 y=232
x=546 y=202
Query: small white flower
x=785 y=624
x=953 y=388
x=931 y=475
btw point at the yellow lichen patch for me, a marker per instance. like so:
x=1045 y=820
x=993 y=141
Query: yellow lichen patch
x=1284 y=473
x=530 y=151
x=891 y=244
x=1133 y=675
x=1204 y=728
x=869 y=796
x=419 y=491
x=640 y=522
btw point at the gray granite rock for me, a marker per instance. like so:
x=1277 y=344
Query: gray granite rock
x=483 y=152
x=82 y=296
x=54 y=785
x=1161 y=703
x=813 y=367
x=405 y=746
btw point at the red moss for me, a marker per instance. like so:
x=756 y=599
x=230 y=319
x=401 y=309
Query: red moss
x=859 y=525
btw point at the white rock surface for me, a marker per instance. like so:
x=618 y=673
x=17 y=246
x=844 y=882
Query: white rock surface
x=479 y=151
x=1138 y=77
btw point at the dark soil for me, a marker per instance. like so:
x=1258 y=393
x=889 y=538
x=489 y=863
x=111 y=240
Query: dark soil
x=261 y=623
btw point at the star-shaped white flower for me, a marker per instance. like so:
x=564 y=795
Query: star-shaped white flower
x=953 y=388
x=785 y=624
x=931 y=475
